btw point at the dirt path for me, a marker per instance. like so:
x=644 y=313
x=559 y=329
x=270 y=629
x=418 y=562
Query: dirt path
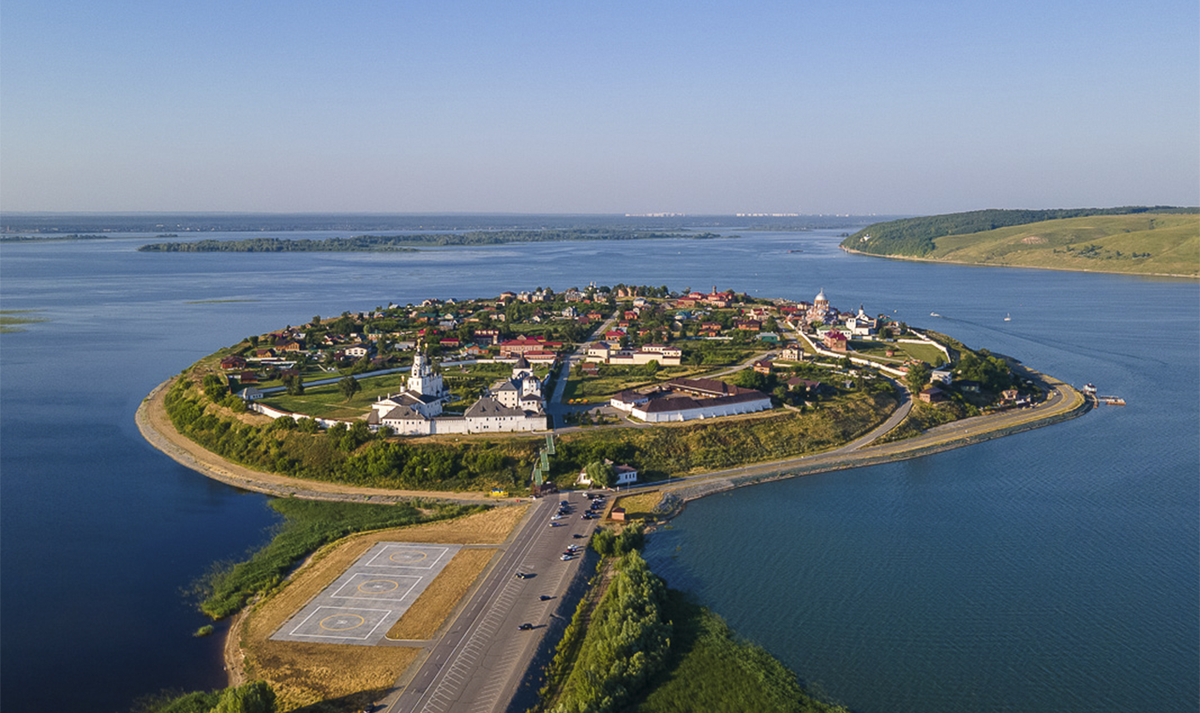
x=156 y=427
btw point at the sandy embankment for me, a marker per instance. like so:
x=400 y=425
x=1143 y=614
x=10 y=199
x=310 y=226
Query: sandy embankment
x=156 y=427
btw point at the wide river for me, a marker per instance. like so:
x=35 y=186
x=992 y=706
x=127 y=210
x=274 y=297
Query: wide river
x=1056 y=570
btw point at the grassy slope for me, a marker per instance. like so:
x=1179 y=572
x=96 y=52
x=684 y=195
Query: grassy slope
x=1173 y=241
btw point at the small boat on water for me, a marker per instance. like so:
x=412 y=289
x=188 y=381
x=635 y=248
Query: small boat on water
x=1008 y=317
x=1112 y=400
x=934 y=314
x=1089 y=389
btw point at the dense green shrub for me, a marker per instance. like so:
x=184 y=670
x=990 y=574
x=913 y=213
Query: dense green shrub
x=610 y=544
x=253 y=697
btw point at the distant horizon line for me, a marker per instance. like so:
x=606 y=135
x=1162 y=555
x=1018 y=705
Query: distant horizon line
x=648 y=214
x=665 y=214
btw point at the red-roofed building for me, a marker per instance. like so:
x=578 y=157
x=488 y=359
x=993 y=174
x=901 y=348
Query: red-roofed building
x=233 y=362
x=836 y=341
x=523 y=345
x=932 y=395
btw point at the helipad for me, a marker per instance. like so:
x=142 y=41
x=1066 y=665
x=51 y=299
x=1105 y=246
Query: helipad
x=370 y=596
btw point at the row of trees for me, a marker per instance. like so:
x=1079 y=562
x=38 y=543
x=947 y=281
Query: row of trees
x=627 y=642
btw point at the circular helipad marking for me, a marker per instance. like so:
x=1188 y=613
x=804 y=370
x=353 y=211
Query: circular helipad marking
x=408 y=557
x=342 y=622
x=378 y=586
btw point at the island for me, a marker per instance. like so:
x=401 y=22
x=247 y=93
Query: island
x=1160 y=241
x=409 y=242
x=499 y=460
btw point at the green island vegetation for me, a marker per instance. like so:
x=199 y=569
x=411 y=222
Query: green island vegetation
x=409 y=243
x=253 y=697
x=334 y=369
x=307 y=526
x=13 y=320
x=218 y=302
x=1140 y=240
x=633 y=644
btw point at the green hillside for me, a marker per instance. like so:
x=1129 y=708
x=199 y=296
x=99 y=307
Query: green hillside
x=1159 y=241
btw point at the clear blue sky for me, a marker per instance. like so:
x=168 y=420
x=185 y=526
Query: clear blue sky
x=815 y=106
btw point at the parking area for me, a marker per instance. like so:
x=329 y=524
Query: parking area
x=372 y=594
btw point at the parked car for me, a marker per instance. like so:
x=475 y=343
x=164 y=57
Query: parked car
x=525 y=627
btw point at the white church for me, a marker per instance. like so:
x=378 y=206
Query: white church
x=514 y=404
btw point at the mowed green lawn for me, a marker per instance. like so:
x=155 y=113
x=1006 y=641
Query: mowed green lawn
x=1145 y=243
x=328 y=402
x=599 y=388
x=925 y=352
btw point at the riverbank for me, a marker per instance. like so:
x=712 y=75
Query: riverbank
x=156 y=427
x=965 y=263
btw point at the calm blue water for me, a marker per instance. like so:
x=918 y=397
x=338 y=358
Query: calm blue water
x=1055 y=570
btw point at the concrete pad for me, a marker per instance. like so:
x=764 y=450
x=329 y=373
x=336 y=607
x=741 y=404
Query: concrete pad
x=361 y=605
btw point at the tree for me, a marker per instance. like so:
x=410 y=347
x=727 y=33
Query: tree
x=918 y=377
x=750 y=379
x=294 y=385
x=349 y=387
x=255 y=697
x=601 y=473
x=214 y=388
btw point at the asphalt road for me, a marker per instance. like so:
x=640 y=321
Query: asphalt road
x=478 y=663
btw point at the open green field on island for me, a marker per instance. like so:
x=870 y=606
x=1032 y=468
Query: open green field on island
x=1145 y=242
x=900 y=351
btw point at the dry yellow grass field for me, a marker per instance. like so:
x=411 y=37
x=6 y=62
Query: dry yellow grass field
x=639 y=507
x=329 y=677
x=423 y=618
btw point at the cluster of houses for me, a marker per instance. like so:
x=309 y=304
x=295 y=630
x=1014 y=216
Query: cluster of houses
x=517 y=403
